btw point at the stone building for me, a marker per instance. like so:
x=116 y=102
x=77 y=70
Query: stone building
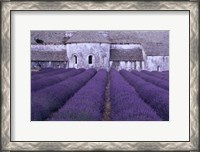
x=88 y=50
x=48 y=59
x=140 y=50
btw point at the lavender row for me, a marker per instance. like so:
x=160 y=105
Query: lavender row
x=51 y=80
x=48 y=73
x=87 y=103
x=156 y=97
x=34 y=72
x=46 y=69
x=157 y=74
x=126 y=104
x=50 y=99
x=42 y=71
x=153 y=80
x=165 y=73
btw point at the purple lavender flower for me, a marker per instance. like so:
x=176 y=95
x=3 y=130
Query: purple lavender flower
x=153 y=80
x=126 y=104
x=48 y=73
x=157 y=74
x=45 y=82
x=50 y=99
x=42 y=71
x=156 y=97
x=87 y=103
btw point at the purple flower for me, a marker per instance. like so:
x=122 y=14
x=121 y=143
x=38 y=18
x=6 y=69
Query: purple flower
x=45 y=74
x=157 y=74
x=126 y=104
x=48 y=81
x=160 y=83
x=87 y=103
x=48 y=100
x=156 y=97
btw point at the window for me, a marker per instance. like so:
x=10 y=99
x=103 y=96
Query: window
x=140 y=64
x=90 y=59
x=158 y=68
x=135 y=65
x=163 y=59
x=75 y=59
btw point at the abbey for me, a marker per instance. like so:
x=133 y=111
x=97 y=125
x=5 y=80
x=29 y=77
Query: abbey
x=140 y=50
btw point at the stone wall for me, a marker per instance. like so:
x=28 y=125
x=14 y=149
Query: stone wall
x=100 y=55
x=127 y=65
x=154 y=63
x=131 y=65
x=48 y=64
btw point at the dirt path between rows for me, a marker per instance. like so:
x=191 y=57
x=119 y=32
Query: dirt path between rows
x=107 y=104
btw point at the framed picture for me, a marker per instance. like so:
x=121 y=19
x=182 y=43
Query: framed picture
x=100 y=76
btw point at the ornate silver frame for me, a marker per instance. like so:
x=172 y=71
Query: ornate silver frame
x=7 y=6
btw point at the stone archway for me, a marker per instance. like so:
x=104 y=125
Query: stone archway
x=74 y=60
x=91 y=61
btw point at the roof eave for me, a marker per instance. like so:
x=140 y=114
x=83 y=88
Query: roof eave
x=87 y=42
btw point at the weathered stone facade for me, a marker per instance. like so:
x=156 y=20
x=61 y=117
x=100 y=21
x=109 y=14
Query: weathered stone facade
x=129 y=56
x=157 y=63
x=79 y=54
x=140 y=50
x=48 y=64
x=43 y=59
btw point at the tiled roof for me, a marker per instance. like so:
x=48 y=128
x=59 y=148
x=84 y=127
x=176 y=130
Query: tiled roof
x=88 y=37
x=126 y=55
x=49 y=37
x=156 y=49
x=48 y=56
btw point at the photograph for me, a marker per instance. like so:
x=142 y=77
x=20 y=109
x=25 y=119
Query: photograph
x=99 y=75
x=108 y=76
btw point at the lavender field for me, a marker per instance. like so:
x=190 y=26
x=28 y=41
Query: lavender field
x=91 y=95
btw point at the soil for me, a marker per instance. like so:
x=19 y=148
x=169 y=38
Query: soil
x=107 y=104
